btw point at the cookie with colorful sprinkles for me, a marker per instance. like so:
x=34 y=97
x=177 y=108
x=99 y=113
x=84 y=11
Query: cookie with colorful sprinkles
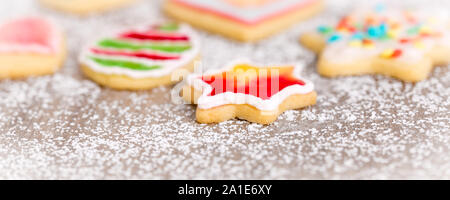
x=30 y=46
x=403 y=44
x=141 y=58
x=246 y=91
x=244 y=20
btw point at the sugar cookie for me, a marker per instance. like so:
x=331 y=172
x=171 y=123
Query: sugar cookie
x=30 y=46
x=241 y=90
x=83 y=7
x=141 y=58
x=402 y=44
x=247 y=20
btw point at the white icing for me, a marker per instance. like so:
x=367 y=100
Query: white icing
x=167 y=66
x=346 y=53
x=342 y=52
x=205 y=101
x=54 y=47
x=247 y=14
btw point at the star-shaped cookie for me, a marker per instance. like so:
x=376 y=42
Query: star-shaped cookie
x=400 y=43
x=246 y=91
x=30 y=46
x=245 y=20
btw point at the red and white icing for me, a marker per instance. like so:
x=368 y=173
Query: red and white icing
x=207 y=101
x=30 y=35
x=249 y=15
x=145 y=35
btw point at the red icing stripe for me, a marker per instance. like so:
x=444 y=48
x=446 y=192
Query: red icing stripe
x=151 y=35
x=134 y=54
x=294 y=8
x=266 y=87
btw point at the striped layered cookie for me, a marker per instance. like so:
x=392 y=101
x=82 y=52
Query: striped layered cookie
x=141 y=58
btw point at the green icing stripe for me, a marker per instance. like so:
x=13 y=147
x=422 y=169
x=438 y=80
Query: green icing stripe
x=118 y=44
x=168 y=27
x=124 y=64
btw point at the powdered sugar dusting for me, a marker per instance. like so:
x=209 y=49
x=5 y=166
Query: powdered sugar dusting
x=65 y=126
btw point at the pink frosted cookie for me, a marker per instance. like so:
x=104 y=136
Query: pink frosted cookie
x=83 y=7
x=245 y=20
x=30 y=46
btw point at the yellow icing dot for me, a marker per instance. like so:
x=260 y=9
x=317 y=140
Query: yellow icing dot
x=419 y=44
x=343 y=31
x=395 y=26
x=387 y=53
x=248 y=70
x=355 y=43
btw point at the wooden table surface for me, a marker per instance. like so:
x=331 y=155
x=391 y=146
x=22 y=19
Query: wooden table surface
x=64 y=126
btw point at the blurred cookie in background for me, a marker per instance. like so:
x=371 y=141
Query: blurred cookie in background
x=85 y=7
x=30 y=46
